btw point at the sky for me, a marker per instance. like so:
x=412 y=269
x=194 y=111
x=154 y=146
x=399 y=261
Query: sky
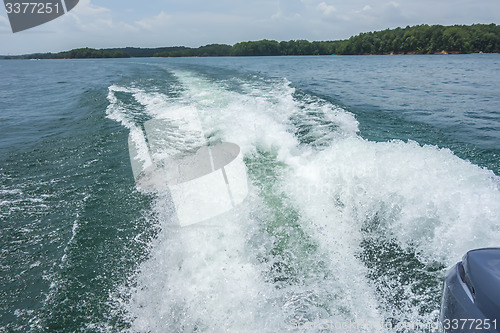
x=193 y=23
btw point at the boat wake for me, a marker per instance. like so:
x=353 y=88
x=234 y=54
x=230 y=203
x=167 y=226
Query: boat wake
x=334 y=229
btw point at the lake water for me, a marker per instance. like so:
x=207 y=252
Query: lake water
x=368 y=177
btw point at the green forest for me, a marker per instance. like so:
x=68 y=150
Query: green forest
x=420 y=39
x=81 y=53
x=425 y=39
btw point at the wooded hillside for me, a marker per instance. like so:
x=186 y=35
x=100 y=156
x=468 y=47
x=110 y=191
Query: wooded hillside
x=420 y=39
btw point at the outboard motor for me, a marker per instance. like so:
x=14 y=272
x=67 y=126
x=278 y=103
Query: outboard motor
x=471 y=296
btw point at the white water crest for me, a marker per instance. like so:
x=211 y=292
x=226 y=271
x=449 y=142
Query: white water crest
x=289 y=258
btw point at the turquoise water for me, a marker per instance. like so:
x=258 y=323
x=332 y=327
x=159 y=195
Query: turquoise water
x=369 y=176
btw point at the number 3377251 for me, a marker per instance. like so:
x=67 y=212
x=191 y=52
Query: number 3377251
x=469 y=324
x=32 y=8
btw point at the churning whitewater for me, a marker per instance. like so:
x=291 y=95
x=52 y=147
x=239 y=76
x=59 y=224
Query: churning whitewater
x=335 y=229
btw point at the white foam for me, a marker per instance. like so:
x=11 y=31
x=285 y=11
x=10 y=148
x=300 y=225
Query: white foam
x=11 y=192
x=119 y=111
x=200 y=277
x=424 y=197
x=437 y=202
x=258 y=116
x=206 y=278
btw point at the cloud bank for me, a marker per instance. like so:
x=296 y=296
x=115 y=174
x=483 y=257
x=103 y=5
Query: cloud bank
x=194 y=23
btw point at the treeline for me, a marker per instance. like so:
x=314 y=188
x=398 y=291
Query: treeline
x=292 y=47
x=82 y=53
x=425 y=39
x=212 y=50
x=420 y=39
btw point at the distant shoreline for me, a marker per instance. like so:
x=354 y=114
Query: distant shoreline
x=297 y=55
x=419 y=39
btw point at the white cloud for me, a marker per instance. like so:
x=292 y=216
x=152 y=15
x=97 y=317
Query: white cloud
x=287 y=9
x=326 y=9
x=86 y=8
x=197 y=22
x=4 y=21
x=94 y=20
x=366 y=8
x=155 y=22
x=280 y=15
x=87 y=17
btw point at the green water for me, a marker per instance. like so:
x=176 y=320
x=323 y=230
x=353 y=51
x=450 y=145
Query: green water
x=345 y=218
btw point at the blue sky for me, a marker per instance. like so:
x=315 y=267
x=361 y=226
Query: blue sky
x=155 y=23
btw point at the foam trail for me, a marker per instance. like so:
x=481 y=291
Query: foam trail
x=264 y=118
x=200 y=278
x=118 y=111
x=429 y=199
x=426 y=200
x=326 y=209
x=436 y=201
